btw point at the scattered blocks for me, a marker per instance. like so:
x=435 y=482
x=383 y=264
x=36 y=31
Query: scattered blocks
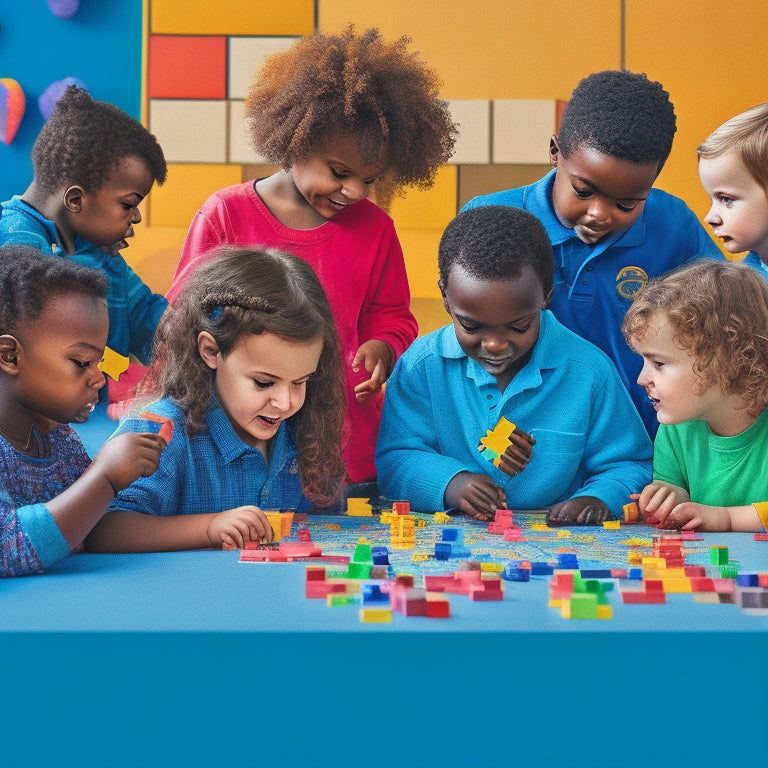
x=451 y=545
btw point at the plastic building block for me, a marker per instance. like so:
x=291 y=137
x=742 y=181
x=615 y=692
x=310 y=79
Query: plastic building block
x=336 y=599
x=357 y=507
x=438 y=607
x=375 y=615
x=401 y=507
x=166 y=430
x=380 y=555
x=718 y=555
x=567 y=561
x=631 y=512
x=612 y=525
x=372 y=593
x=761 y=537
x=441 y=517
x=539 y=568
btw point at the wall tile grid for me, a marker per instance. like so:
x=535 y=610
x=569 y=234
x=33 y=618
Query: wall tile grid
x=196 y=86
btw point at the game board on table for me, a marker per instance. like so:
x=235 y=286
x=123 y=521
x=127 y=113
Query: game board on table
x=595 y=548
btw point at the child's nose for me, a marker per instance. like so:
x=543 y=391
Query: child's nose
x=644 y=378
x=354 y=189
x=494 y=342
x=598 y=209
x=712 y=216
x=136 y=217
x=281 y=398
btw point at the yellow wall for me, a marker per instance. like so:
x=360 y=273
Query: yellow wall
x=710 y=56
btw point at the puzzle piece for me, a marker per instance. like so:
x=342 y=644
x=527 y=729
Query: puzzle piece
x=496 y=440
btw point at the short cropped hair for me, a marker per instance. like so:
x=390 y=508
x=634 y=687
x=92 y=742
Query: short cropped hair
x=496 y=242
x=29 y=280
x=719 y=313
x=83 y=141
x=745 y=134
x=621 y=114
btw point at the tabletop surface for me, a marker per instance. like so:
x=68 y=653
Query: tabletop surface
x=213 y=591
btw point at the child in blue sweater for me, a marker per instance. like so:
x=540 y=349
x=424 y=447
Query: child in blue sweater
x=580 y=448
x=53 y=326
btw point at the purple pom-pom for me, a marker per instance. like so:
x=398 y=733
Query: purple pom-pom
x=48 y=98
x=64 y=9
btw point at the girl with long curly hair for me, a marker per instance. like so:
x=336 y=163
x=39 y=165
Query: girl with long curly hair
x=248 y=375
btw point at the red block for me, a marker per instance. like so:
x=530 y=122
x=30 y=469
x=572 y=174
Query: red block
x=187 y=67
x=643 y=597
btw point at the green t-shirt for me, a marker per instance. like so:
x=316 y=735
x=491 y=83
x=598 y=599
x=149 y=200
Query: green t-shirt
x=716 y=471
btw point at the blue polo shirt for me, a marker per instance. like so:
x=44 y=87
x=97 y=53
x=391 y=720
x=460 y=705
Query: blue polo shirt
x=212 y=471
x=595 y=284
x=439 y=404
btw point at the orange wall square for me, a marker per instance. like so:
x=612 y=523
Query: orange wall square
x=181 y=67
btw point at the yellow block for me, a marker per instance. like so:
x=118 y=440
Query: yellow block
x=281 y=523
x=371 y=615
x=491 y=567
x=676 y=585
x=359 y=508
x=612 y=525
x=233 y=17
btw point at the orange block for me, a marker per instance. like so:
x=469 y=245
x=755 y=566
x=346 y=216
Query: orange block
x=181 y=67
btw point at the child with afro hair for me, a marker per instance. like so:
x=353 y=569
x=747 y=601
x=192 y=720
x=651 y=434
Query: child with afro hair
x=93 y=164
x=343 y=115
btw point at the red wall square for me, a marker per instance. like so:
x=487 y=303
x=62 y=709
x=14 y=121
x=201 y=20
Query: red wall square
x=187 y=67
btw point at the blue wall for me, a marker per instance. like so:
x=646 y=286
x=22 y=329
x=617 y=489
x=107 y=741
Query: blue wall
x=100 y=45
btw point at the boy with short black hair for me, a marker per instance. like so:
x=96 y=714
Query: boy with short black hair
x=579 y=450
x=609 y=229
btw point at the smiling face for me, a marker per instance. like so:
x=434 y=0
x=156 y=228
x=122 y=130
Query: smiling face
x=739 y=211
x=261 y=382
x=106 y=217
x=496 y=321
x=58 y=375
x=335 y=176
x=596 y=194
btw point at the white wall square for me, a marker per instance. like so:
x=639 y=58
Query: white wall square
x=190 y=131
x=473 y=144
x=246 y=55
x=240 y=150
x=522 y=129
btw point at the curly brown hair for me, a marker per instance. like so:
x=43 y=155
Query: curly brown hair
x=325 y=85
x=253 y=290
x=83 y=141
x=719 y=311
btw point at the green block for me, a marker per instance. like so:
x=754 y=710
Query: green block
x=359 y=570
x=728 y=571
x=584 y=605
x=718 y=555
x=363 y=554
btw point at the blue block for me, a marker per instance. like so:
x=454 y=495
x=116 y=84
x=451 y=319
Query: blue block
x=541 y=569
x=636 y=574
x=451 y=534
x=371 y=593
x=567 y=561
x=380 y=555
x=513 y=572
x=442 y=550
x=748 y=580
x=597 y=573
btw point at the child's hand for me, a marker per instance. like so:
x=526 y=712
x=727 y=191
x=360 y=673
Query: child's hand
x=378 y=359
x=475 y=495
x=519 y=451
x=127 y=457
x=657 y=500
x=583 y=510
x=232 y=528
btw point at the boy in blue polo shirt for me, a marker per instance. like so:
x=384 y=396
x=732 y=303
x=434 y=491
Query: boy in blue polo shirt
x=580 y=448
x=609 y=229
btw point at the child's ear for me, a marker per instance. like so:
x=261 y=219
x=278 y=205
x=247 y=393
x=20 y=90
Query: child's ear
x=9 y=347
x=554 y=151
x=441 y=286
x=547 y=299
x=73 y=198
x=208 y=349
